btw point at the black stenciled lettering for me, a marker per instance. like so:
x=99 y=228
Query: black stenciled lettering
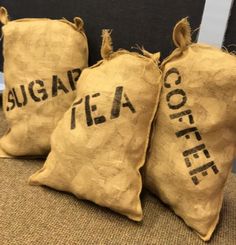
x=195 y=180
x=72 y=124
x=18 y=97
x=128 y=103
x=93 y=107
x=95 y=95
x=191 y=120
x=198 y=136
x=77 y=71
x=89 y=109
x=31 y=91
x=24 y=97
x=215 y=169
x=115 y=111
x=73 y=112
x=180 y=115
x=194 y=150
x=40 y=91
x=73 y=79
x=185 y=132
x=168 y=73
x=11 y=100
x=203 y=170
x=187 y=162
x=57 y=84
x=176 y=92
x=77 y=102
x=206 y=153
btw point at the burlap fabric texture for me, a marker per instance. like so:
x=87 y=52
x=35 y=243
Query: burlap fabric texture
x=43 y=59
x=100 y=144
x=193 y=143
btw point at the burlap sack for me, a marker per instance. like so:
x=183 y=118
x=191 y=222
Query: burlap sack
x=100 y=144
x=43 y=59
x=194 y=138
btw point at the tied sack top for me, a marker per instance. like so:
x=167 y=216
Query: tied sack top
x=100 y=144
x=43 y=59
x=194 y=139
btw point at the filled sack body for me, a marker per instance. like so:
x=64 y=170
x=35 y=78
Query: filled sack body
x=100 y=144
x=194 y=135
x=43 y=59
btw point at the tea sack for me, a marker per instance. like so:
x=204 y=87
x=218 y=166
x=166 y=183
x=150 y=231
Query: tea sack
x=43 y=59
x=194 y=138
x=100 y=144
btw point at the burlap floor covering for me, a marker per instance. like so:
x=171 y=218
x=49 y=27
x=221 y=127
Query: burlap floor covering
x=39 y=215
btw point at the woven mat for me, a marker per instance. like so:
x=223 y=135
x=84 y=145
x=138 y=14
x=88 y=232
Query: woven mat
x=39 y=215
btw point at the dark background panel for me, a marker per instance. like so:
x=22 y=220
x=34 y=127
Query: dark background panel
x=144 y=22
x=230 y=37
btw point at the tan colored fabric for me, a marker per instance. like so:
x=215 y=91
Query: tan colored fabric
x=100 y=144
x=195 y=132
x=43 y=59
x=32 y=215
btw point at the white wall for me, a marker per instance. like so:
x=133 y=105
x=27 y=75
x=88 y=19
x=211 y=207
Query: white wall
x=1 y=82
x=214 y=22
